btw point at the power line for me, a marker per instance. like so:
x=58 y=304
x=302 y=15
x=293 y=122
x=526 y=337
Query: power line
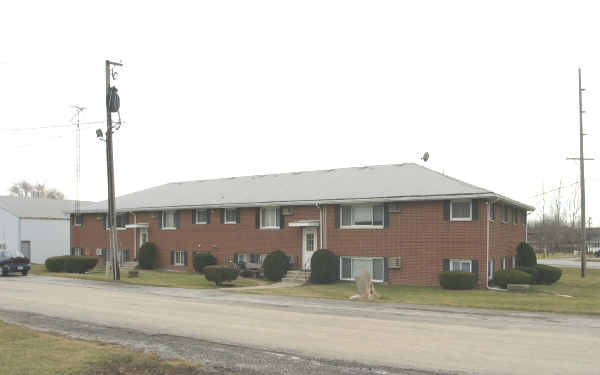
x=51 y=126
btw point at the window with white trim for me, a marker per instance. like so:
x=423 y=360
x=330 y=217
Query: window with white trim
x=351 y=267
x=492 y=213
x=77 y=251
x=505 y=214
x=180 y=258
x=201 y=216
x=230 y=216
x=460 y=265
x=514 y=262
x=461 y=210
x=362 y=216
x=77 y=220
x=269 y=218
x=168 y=220
x=503 y=264
x=515 y=215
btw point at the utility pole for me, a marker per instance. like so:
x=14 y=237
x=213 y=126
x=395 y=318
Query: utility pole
x=112 y=105
x=582 y=159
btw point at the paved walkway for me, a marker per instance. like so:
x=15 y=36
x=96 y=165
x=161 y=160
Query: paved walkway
x=393 y=336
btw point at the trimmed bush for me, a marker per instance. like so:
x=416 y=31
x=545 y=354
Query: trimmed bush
x=148 y=256
x=276 y=265
x=324 y=267
x=56 y=264
x=503 y=278
x=219 y=274
x=530 y=270
x=75 y=264
x=547 y=274
x=457 y=280
x=70 y=264
x=525 y=255
x=201 y=260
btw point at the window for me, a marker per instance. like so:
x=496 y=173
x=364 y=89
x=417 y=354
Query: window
x=122 y=220
x=269 y=217
x=362 y=216
x=77 y=220
x=460 y=265
x=514 y=262
x=492 y=215
x=77 y=251
x=201 y=216
x=351 y=267
x=168 y=220
x=180 y=258
x=503 y=263
x=515 y=215
x=230 y=216
x=505 y=214
x=460 y=210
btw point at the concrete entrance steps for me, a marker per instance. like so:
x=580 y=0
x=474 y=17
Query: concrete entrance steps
x=128 y=266
x=296 y=276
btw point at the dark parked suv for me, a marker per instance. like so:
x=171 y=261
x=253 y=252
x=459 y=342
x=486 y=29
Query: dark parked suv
x=13 y=261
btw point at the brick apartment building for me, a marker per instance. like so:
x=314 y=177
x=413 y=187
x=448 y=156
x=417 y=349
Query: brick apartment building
x=403 y=223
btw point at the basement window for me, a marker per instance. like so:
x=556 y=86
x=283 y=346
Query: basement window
x=180 y=258
x=460 y=265
x=351 y=267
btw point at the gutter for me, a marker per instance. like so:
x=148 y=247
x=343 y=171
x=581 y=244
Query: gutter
x=134 y=236
x=414 y=198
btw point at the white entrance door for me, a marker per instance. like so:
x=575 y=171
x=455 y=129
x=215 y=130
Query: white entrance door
x=143 y=236
x=309 y=245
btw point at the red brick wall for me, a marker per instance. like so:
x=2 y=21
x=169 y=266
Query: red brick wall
x=418 y=233
x=504 y=237
x=222 y=240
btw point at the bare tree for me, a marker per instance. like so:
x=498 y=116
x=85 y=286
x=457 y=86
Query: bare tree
x=24 y=189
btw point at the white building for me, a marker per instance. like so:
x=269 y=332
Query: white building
x=38 y=227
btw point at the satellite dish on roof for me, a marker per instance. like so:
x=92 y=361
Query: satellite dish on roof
x=425 y=157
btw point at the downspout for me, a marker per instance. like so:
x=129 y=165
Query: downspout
x=320 y=225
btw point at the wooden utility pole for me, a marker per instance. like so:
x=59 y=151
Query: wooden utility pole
x=582 y=181
x=112 y=213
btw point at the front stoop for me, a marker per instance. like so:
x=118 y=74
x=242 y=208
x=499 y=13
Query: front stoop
x=296 y=276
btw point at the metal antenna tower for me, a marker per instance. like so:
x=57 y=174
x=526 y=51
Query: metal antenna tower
x=79 y=109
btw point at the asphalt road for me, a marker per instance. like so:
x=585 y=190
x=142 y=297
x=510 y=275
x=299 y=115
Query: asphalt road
x=569 y=263
x=319 y=336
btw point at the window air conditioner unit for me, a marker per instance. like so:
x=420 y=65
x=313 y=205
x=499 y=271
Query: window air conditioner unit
x=395 y=262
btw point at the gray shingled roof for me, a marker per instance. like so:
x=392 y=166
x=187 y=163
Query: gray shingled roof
x=38 y=208
x=397 y=182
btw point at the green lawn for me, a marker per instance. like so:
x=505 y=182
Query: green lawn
x=24 y=351
x=584 y=295
x=153 y=278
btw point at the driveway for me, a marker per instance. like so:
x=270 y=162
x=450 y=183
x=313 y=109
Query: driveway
x=322 y=336
x=569 y=263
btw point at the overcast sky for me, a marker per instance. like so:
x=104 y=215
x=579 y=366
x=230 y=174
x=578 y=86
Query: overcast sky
x=229 y=88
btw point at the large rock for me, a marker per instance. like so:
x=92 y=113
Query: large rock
x=365 y=287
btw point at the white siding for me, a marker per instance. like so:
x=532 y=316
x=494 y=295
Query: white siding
x=48 y=237
x=9 y=229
